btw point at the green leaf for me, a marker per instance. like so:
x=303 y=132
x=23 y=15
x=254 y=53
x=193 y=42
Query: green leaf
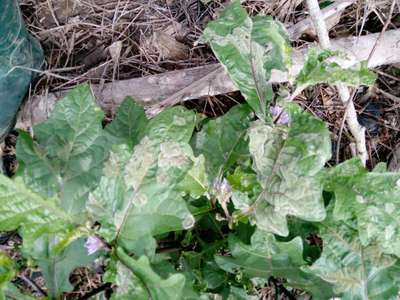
x=355 y=271
x=195 y=183
x=214 y=277
x=318 y=68
x=20 y=207
x=66 y=158
x=240 y=294
x=138 y=199
x=309 y=234
x=287 y=162
x=156 y=287
x=266 y=257
x=176 y=123
x=129 y=125
x=11 y=292
x=373 y=198
x=380 y=167
x=249 y=48
x=7 y=270
x=56 y=269
x=340 y=180
x=222 y=141
x=244 y=182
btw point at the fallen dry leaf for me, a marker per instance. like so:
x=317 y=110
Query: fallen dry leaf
x=168 y=47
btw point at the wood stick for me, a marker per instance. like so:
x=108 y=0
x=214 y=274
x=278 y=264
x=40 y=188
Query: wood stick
x=356 y=129
x=207 y=80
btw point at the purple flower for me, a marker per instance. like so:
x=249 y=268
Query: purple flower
x=222 y=189
x=93 y=244
x=222 y=186
x=279 y=115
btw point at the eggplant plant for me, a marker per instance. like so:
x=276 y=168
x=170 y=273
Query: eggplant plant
x=181 y=207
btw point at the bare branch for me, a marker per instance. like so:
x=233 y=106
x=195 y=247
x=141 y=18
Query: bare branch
x=356 y=129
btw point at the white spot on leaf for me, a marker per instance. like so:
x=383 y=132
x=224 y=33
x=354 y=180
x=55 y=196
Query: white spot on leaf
x=179 y=121
x=360 y=199
x=398 y=182
x=140 y=199
x=390 y=208
x=188 y=222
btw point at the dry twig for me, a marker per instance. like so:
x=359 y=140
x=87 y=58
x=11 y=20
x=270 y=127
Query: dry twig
x=356 y=129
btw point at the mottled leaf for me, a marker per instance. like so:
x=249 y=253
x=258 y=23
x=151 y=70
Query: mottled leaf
x=373 y=198
x=319 y=68
x=138 y=198
x=128 y=286
x=176 y=123
x=287 y=162
x=249 y=48
x=355 y=271
x=20 y=207
x=66 y=157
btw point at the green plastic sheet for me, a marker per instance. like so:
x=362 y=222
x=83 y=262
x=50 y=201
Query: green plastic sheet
x=19 y=55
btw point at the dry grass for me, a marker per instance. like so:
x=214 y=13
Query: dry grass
x=81 y=38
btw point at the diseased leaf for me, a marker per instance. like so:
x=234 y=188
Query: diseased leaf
x=156 y=287
x=287 y=161
x=266 y=257
x=155 y=207
x=128 y=285
x=222 y=141
x=56 y=269
x=176 y=123
x=249 y=48
x=66 y=158
x=319 y=68
x=355 y=271
x=20 y=207
x=129 y=125
x=139 y=198
x=373 y=198
x=109 y=199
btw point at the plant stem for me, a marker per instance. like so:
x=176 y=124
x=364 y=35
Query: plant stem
x=356 y=129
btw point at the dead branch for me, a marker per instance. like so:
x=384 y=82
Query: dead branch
x=356 y=129
x=206 y=80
